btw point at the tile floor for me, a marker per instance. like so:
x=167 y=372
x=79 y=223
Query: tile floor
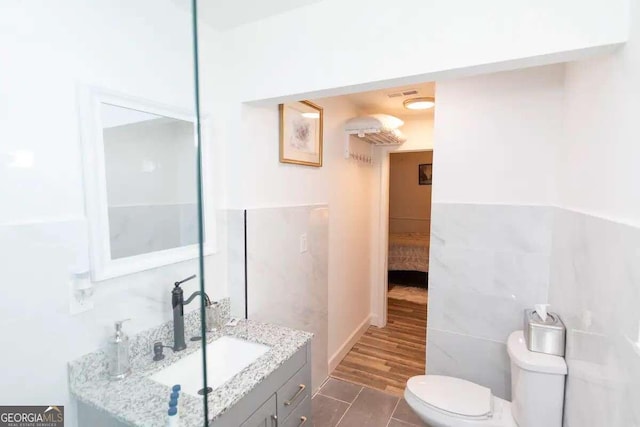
x=343 y=404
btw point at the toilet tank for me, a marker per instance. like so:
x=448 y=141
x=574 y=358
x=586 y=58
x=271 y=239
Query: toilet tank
x=537 y=385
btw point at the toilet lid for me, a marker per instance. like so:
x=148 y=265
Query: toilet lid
x=453 y=395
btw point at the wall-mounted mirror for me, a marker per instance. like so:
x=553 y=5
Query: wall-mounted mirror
x=141 y=192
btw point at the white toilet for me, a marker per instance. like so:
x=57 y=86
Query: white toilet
x=537 y=388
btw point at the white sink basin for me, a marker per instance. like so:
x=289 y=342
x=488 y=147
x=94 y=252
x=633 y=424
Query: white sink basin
x=226 y=356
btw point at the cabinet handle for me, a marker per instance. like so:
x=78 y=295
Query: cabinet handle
x=295 y=396
x=274 y=420
x=302 y=421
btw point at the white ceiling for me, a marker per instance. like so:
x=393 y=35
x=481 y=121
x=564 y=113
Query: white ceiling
x=226 y=14
x=379 y=102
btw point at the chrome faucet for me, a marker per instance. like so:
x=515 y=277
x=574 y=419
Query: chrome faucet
x=178 y=302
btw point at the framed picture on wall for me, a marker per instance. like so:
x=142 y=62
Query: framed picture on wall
x=425 y=173
x=301 y=133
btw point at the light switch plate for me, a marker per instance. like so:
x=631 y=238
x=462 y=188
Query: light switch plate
x=303 y=243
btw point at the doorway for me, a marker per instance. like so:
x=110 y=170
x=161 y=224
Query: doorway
x=410 y=182
x=393 y=348
x=385 y=357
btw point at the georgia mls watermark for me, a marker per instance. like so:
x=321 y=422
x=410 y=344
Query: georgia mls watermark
x=31 y=416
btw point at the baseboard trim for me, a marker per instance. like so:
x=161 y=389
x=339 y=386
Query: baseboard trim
x=337 y=357
x=374 y=320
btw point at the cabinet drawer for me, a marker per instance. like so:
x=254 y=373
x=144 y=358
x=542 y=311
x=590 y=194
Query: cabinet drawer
x=301 y=415
x=294 y=391
x=264 y=416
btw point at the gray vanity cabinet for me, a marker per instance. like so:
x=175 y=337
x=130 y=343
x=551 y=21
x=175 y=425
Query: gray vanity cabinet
x=283 y=399
x=265 y=416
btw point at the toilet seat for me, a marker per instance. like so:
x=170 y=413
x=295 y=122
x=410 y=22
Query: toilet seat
x=454 y=396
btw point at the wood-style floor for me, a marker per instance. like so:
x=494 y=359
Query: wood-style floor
x=385 y=358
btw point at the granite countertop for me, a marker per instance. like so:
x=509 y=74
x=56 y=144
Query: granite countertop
x=137 y=400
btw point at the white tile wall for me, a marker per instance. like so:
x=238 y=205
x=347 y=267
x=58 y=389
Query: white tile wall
x=235 y=261
x=487 y=264
x=474 y=359
x=595 y=287
x=286 y=286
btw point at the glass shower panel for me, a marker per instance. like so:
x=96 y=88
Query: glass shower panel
x=102 y=216
x=225 y=266
x=223 y=251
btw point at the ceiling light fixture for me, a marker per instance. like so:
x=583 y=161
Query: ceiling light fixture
x=311 y=115
x=419 y=103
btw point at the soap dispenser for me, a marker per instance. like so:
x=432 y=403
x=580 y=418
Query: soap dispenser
x=118 y=353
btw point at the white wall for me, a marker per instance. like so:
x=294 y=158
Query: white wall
x=595 y=269
x=347 y=188
x=142 y=49
x=599 y=173
x=419 y=133
x=497 y=136
x=369 y=42
x=81 y=47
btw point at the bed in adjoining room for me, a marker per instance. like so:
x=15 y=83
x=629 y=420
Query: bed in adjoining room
x=408 y=260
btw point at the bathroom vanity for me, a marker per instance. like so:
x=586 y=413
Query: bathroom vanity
x=260 y=375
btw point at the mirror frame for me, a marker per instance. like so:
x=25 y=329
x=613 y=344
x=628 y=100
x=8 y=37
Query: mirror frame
x=103 y=267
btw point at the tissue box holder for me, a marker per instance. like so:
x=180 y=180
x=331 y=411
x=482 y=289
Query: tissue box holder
x=544 y=336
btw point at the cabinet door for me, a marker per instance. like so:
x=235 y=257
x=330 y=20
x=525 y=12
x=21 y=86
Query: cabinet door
x=264 y=416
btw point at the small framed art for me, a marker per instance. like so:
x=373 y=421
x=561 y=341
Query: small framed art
x=301 y=133
x=425 y=173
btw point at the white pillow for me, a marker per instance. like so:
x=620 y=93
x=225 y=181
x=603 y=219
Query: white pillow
x=384 y=122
